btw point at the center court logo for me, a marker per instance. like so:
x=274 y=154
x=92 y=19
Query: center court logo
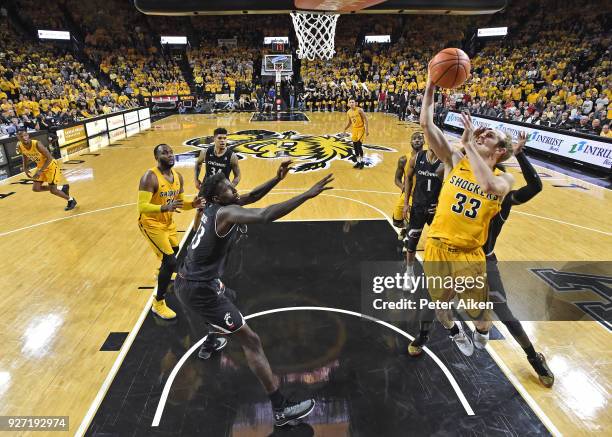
x=311 y=152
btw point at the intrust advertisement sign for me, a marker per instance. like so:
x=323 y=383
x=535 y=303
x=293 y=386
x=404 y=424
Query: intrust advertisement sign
x=71 y=135
x=593 y=151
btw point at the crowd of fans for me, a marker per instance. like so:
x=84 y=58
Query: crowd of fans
x=552 y=69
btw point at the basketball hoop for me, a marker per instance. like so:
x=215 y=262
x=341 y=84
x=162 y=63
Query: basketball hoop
x=316 y=32
x=278 y=69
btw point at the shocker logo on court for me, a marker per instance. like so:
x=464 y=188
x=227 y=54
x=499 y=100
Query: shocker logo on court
x=310 y=152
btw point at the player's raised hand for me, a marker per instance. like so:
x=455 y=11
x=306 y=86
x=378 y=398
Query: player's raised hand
x=320 y=186
x=283 y=169
x=468 y=128
x=518 y=146
x=198 y=202
x=172 y=206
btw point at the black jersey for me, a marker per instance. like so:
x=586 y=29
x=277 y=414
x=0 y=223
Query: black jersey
x=216 y=164
x=496 y=224
x=207 y=252
x=427 y=184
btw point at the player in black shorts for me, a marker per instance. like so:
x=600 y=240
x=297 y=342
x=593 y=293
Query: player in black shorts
x=496 y=287
x=199 y=287
x=218 y=158
x=428 y=172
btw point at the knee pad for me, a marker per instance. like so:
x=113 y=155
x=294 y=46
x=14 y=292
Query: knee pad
x=412 y=239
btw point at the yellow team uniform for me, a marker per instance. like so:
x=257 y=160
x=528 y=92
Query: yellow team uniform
x=357 y=125
x=51 y=174
x=398 y=211
x=457 y=234
x=159 y=228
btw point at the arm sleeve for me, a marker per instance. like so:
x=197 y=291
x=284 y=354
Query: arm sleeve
x=534 y=184
x=186 y=205
x=144 y=203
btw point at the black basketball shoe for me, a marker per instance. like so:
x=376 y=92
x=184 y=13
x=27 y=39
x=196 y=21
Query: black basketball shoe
x=71 y=204
x=293 y=411
x=207 y=349
x=547 y=378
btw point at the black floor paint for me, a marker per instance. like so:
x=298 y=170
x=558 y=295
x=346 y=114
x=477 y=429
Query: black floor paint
x=114 y=341
x=279 y=116
x=358 y=371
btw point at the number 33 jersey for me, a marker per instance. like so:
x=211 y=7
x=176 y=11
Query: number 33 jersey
x=464 y=210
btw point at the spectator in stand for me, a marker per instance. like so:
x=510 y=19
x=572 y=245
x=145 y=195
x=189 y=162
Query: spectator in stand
x=596 y=126
x=605 y=131
x=565 y=123
x=583 y=126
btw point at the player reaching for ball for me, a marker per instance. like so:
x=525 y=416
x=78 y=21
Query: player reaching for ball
x=471 y=195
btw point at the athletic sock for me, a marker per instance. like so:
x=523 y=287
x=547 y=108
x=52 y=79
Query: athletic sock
x=277 y=399
x=530 y=351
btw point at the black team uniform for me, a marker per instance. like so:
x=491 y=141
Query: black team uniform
x=496 y=286
x=424 y=196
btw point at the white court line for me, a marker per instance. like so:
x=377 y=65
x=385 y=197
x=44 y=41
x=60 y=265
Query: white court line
x=562 y=222
x=519 y=387
x=505 y=369
x=3 y=234
x=93 y=408
x=166 y=391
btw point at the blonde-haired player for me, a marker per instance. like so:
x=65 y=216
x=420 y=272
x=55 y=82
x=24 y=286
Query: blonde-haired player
x=471 y=195
x=47 y=169
x=358 y=122
x=160 y=193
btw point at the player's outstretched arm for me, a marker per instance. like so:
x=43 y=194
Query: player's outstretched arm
x=260 y=191
x=488 y=181
x=534 y=183
x=235 y=214
x=434 y=136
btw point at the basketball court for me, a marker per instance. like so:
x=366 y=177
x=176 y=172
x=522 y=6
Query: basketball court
x=79 y=338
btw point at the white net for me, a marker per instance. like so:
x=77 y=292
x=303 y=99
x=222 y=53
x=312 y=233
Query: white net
x=316 y=32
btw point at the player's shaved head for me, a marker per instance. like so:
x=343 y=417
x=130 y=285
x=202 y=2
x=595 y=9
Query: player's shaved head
x=158 y=148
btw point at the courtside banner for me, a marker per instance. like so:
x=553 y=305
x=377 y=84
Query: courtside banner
x=131 y=117
x=114 y=122
x=95 y=127
x=143 y=114
x=591 y=151
x=71 y=134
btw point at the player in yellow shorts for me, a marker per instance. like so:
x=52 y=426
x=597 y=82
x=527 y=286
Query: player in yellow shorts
x=359 y=130
x=471 y=195
x=416 y=142
x=47 y=170
x=160 y=194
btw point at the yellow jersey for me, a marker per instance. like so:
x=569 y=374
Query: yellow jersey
x=33 y=154
x=356 y=119
x=166 y=192
x=464 y=211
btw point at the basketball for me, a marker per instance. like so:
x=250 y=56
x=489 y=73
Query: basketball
x=449 y=68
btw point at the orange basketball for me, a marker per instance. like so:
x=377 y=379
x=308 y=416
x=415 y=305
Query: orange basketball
x=449 y=68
